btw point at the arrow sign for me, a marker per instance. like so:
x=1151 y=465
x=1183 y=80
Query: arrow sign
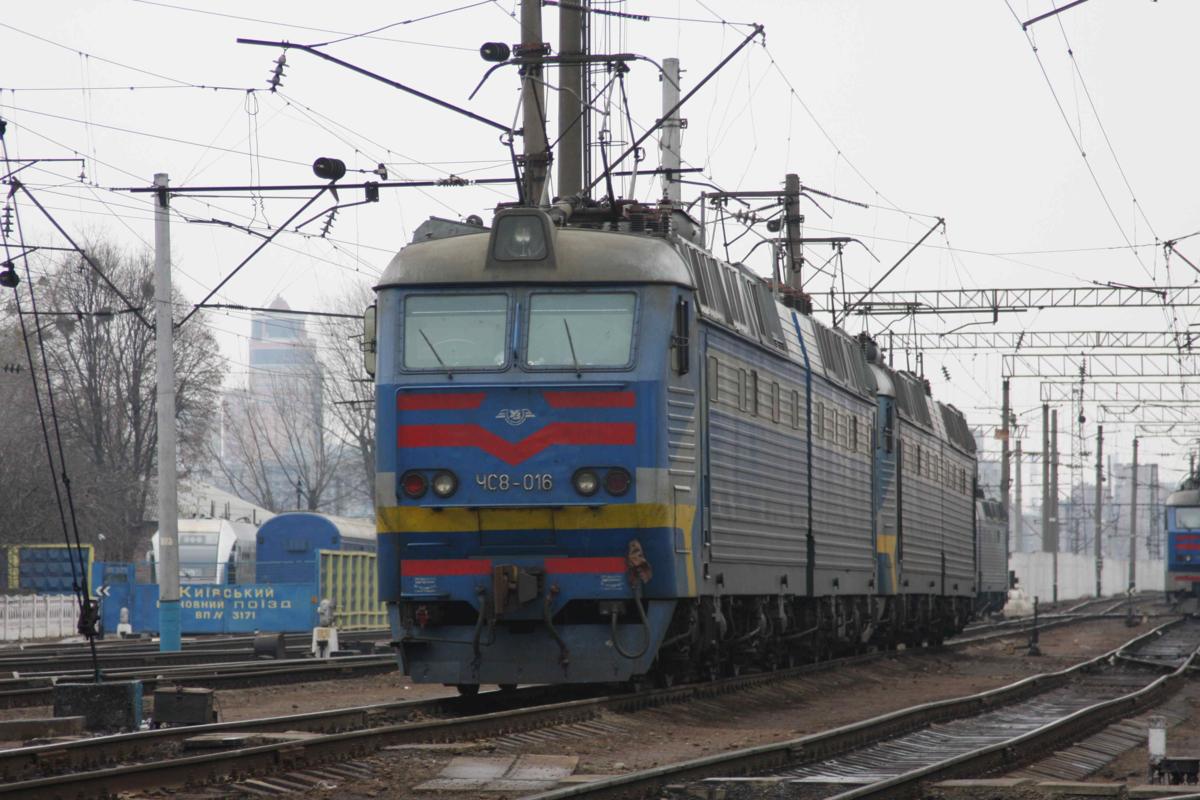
x=103 y=591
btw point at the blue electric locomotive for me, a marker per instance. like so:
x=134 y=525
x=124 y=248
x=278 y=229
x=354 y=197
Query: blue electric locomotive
x=1183 y=544
x=604 y=453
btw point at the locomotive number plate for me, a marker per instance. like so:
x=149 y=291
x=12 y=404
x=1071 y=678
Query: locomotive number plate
x=503 y=482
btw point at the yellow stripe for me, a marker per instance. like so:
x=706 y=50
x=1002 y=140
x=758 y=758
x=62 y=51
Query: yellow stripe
x=397 y=519
x=401 y=519
x=885 y=543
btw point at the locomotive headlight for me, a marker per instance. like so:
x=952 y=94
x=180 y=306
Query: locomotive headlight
x=444 y=483
x=520 y=237
x=586 y=482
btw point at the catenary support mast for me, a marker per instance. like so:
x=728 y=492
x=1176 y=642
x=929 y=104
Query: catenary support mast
x=168 y=514
x=1133 y=519
x=570 y=99
x=533 y=105
x=1005 y=469
x=670 y=143
x=1099 y=537
x=1053 y=518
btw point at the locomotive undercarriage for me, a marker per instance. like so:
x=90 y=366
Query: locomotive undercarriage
x=710 y=637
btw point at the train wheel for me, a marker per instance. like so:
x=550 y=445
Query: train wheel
x=468 y=689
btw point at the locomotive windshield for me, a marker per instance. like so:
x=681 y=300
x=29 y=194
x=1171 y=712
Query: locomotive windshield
x=455 y=331
x=580 y=329
x=1187 y=518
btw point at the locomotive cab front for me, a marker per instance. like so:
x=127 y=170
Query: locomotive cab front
x=529 y=529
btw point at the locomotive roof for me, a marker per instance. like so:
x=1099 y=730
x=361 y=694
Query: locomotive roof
x=1184 y=497
x=581 y=256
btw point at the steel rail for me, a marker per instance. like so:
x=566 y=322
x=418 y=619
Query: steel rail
x=39 y=760
x=780 y=755
x=1010 y=753
x=288 y=755
x=57 y=648
x=39 y=691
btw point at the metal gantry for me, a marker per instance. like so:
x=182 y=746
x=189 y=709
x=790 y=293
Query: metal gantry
x=1100 y=365
x=1015 y=341
x=1157 y=390
x=995 y=301
x=1150 y=414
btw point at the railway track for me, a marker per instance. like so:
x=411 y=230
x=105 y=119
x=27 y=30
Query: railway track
x=123 y=654
x=129 y=762
x=892 y=755
x=38 y=690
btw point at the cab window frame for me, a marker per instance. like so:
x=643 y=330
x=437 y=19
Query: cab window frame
x=510 y=304
x=526 y=311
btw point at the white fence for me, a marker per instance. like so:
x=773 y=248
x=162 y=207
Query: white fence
x=31 y=616
x=1077 y=575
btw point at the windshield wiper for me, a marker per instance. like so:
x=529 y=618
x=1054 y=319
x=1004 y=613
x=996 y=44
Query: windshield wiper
x=571 y=344
x=432 y=349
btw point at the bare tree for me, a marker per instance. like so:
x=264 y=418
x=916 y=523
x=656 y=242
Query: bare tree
x=276 y=443
x=349 y=391
x=102 y=362
x=26 y=482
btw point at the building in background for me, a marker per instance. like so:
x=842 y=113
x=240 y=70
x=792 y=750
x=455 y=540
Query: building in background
x=277 y=446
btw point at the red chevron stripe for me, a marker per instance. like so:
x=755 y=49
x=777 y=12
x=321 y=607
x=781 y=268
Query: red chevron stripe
x=457 y=401
x=513 y=453
x=590 y=399
x=463 y=566
x=577 y=566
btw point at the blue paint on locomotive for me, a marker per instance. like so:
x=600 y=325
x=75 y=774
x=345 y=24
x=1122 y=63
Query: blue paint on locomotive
x=1183 y=544
x=886 y=545
x=514 y=437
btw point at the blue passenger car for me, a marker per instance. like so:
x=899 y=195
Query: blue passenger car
x=289 y=544
x=604 y=453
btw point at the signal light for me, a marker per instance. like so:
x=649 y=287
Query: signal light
x=495 y=52
x=617 y=482
x=329 y=169
x=8 y=277
x=413 y=484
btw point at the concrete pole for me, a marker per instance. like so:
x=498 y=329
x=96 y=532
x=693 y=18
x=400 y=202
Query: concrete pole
x=1005 y=466
x=669 y=144
x=1046 y=478
x=1099 y=538
x=1018 y=524
x=533 y=106
x=1133 y=519
x=570 y=100
x=1156 y=527
x=1054 y=497
x=168 y=512
x=792 y=219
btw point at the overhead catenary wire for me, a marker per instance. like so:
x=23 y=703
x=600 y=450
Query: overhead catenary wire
x=88 y=608
x=313 y=29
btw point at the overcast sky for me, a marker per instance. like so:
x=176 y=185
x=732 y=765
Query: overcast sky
x=932 y=108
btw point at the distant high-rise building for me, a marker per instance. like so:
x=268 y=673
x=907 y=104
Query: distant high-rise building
x=276 y=450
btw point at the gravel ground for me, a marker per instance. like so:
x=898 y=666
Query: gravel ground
x=627 y=742
x=618 y=743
